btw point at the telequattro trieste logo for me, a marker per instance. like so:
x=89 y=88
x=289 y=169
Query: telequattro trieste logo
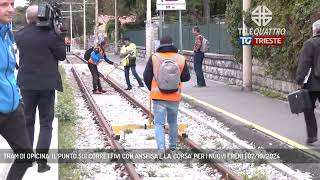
x=262 y=36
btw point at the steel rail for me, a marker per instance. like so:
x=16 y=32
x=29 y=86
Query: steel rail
x=103 y=123
x=227 y=173
x=278 y=166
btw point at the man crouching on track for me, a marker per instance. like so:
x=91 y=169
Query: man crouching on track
x=96 y=56
x=164 y=72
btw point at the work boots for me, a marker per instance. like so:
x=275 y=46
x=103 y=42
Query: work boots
x=96 y=92
x=43 y=167
x=311 y=140
x=102 y=91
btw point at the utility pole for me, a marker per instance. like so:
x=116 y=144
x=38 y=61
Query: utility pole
x=148 y=30
x=84 y=26
x=247 y=55
x=71 y=25
x=96 y=18
x=115 y=27
x=161 y=15
x=84 y=3
x=180 y=32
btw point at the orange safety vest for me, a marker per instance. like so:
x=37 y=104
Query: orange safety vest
x=67 y=41
x=155 y=92
x=101 y=51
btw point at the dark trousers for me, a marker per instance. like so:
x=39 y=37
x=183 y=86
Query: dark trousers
x=311 y=122
x=95 y=77
x=135 y=74
x=13 y=129
x=197 y=62
x=68 y=48
x=44 y=100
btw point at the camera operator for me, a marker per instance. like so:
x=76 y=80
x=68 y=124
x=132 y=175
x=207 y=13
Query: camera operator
x=38 y=77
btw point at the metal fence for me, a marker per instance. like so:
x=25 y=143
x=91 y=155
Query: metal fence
x=138 y=37
x=215 y=31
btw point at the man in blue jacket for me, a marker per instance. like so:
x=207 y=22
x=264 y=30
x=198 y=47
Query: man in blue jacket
x=96 y=56
x=12 y=120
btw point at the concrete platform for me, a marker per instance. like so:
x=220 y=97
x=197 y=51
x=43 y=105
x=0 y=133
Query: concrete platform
x=32 y=173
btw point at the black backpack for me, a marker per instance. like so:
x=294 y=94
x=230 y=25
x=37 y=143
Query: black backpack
x=87 y=54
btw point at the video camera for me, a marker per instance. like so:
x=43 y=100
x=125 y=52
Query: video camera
x=50 y=17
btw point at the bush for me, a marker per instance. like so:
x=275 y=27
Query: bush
x=296 y=16
x=234 y=21
x=66 y=113
x=66 y=108
x=111 y=31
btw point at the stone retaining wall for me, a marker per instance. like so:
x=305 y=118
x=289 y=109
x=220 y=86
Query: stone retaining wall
x=225 y=69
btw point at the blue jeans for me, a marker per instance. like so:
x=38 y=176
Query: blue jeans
x=161 y=110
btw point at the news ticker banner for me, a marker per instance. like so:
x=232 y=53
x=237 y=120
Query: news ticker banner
x=153 y=156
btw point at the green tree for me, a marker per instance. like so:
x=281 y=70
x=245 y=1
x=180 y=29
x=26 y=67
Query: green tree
x=127 y=8
x=19 y=20
x=197 y=10
x=206 y=10
x=296 y=16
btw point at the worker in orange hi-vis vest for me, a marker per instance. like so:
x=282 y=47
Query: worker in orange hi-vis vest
x=164 y=73
x=67 y=42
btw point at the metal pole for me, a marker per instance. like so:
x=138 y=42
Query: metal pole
x=84 y=26
x=148 y=30
x=161 y=15
x=180 y=32
x=71 y=25
x=115 y=27
x=247 y=55
x=96 y=24
x=163 y=23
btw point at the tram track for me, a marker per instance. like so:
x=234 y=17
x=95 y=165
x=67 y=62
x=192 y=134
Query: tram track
x=103 y=123
x=225 y=171
x=281 y=168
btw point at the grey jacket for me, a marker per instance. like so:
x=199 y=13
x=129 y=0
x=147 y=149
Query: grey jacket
x=309 y=54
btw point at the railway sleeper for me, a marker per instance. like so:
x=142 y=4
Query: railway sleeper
x=118 y=128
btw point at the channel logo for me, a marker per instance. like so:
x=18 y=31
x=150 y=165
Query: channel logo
x=262 y=40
